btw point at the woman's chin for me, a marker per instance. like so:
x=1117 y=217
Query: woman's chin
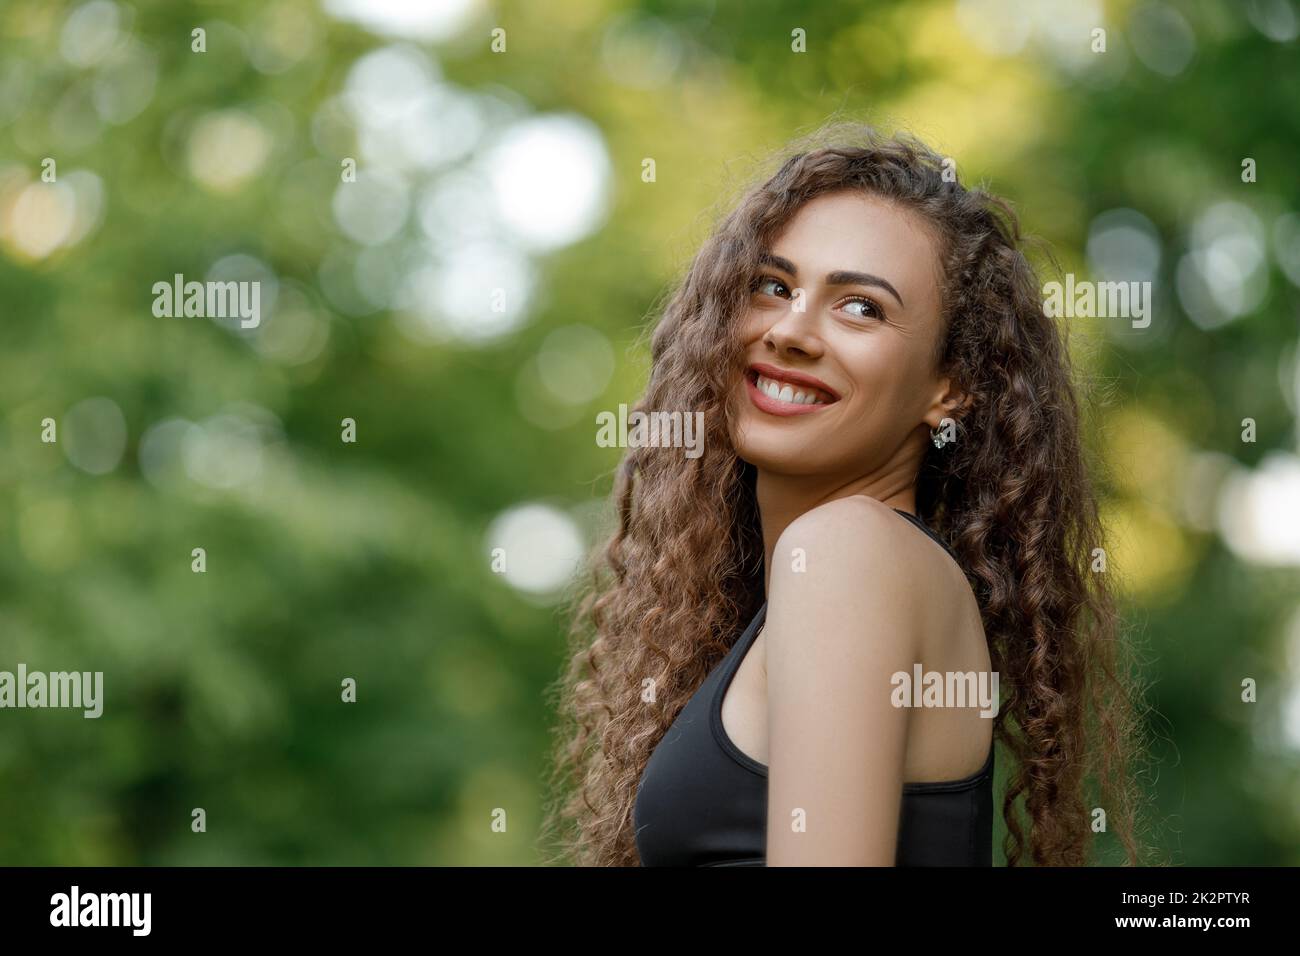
x=780 y=455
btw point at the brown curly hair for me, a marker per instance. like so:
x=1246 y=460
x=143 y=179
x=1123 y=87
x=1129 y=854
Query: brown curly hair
x=682 y=573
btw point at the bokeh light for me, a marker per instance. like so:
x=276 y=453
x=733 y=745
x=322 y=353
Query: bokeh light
x=542 y=547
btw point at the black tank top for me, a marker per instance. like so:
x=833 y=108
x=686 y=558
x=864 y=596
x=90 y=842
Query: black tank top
x=702 y=802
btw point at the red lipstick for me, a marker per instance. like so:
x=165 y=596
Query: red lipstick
x=822 y=394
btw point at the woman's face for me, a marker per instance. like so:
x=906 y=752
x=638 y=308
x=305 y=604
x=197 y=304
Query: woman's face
x=838 y=338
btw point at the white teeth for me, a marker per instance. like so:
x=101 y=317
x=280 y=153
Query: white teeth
x=786 y=393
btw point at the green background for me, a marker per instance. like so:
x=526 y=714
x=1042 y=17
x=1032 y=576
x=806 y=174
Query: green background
x=372 y=559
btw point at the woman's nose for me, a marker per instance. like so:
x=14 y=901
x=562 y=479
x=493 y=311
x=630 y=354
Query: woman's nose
x=794 y=332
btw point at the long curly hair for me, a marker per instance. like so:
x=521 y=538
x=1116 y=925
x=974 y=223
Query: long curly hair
x=682 y=572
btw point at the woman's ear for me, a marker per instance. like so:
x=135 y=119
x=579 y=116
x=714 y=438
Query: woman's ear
x=951 y=403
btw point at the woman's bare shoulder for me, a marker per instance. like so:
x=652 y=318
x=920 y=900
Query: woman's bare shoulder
x=843 y=561
x=859 y=547
x=855 y=526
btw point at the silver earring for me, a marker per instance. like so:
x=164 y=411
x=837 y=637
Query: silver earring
x=938 y=437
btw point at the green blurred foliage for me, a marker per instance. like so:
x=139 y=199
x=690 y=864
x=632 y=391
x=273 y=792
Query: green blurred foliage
x=370 y=560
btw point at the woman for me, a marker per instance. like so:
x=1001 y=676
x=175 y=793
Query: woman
x=892 y=482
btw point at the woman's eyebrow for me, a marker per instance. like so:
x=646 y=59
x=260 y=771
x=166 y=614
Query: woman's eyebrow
x=838 y=277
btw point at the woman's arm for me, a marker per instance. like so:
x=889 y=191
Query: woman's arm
x=836 y=633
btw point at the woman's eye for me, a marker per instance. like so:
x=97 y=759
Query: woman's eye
x=869 y=309
x=766 y=285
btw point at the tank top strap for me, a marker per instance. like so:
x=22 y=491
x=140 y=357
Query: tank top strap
x=746 y=639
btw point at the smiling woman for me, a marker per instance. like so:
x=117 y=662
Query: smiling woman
x=876 y=358
x=728 y=700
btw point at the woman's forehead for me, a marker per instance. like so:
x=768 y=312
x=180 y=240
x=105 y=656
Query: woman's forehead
x=858 y=231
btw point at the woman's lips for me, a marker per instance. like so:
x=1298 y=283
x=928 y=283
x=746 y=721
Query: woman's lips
x=798 y=380
x=815 y=399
